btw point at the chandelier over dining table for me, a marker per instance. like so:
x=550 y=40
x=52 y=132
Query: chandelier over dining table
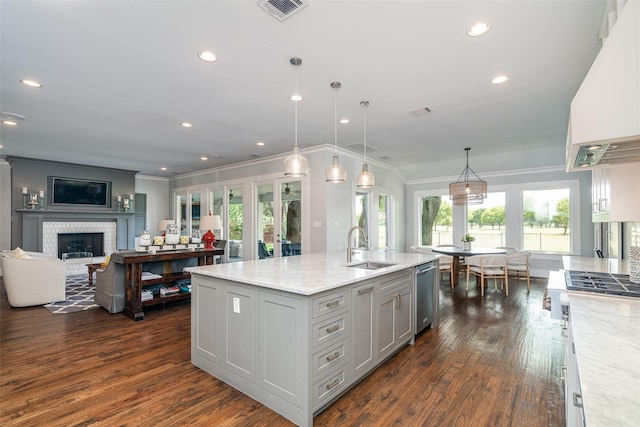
x=469 y=189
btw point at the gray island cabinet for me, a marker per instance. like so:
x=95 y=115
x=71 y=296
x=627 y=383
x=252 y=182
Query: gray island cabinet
x=296 y=333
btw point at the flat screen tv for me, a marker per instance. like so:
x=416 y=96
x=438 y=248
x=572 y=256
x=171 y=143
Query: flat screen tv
x=73 y=191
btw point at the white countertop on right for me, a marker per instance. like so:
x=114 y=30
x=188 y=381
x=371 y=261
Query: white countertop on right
x=607 y=339
x=596 y=265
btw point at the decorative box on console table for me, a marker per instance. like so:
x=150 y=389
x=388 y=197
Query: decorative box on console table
x=155 y=248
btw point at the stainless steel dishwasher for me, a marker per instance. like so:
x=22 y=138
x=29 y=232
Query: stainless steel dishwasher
x=427 y=292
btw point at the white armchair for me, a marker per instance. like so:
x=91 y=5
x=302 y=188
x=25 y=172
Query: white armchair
x=32 y=278
x=110 y=289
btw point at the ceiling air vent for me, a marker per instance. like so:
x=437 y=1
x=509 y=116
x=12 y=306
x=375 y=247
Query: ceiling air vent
x=281 y=9
x=420 y=111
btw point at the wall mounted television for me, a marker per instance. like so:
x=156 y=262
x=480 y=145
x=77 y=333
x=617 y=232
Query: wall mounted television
x=74 y=191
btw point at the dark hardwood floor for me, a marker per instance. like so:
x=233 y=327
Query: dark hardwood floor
x=491 y=362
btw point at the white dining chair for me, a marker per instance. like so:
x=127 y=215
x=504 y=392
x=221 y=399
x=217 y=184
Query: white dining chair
x=445 y=262
x=488 y=267
x=517 y=263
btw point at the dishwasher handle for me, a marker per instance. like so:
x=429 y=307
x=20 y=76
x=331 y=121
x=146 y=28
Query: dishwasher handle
x=420 y=271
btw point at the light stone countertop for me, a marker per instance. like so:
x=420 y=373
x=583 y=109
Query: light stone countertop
x=607 y=343
x=596 y=265
x=312 y=273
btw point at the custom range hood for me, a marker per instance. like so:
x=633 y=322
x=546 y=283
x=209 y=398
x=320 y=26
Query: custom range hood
x=604 y=121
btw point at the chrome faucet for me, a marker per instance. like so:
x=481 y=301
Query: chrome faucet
x=349 y=250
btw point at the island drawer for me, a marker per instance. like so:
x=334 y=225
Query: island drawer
x=329 y=386
x=330 y=303
x=389 y=282
x=327 y=329
x=329 y=357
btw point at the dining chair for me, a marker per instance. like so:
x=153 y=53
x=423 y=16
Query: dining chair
x=488 y=267
x=445 y=262
x=518 y=262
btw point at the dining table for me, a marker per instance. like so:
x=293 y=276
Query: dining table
x=458 y=253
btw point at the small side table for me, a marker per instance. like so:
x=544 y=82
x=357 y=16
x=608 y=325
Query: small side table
x=92 y=268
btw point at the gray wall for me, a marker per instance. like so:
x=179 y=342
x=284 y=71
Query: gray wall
x=33 y=173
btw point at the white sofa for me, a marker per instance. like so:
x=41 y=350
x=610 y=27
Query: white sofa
x=32 y=278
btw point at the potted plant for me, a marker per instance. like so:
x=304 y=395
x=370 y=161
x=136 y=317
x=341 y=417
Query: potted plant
x=466 y=241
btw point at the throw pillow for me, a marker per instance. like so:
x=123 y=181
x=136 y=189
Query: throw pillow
x=17 y=252
x=106 y=262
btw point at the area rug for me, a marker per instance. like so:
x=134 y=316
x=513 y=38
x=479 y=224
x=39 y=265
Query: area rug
x=79 y=296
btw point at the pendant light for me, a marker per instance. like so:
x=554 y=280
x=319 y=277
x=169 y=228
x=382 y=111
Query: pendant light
x=336 y=173
x=365 y=178
x=296 y=165
x=468 y=190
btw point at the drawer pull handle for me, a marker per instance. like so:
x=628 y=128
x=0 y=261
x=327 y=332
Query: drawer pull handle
x=333 y=384
x=333 y=303
x=334 y=356
x=365 y=290
x=563 y=375
x=333 y=329
x=577 y=400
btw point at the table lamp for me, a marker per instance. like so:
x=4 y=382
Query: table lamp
x=208 y=223
x=162 y=225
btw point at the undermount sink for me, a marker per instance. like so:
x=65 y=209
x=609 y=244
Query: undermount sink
x=371 y=265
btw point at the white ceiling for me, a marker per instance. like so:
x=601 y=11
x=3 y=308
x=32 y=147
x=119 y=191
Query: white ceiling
x=119 y=76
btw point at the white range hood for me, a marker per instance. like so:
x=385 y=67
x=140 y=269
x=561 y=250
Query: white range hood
x=604 y=123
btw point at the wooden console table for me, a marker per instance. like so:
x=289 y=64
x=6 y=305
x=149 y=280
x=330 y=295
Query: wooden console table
x=133 y=263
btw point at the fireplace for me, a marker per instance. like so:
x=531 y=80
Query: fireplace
x=81 y=242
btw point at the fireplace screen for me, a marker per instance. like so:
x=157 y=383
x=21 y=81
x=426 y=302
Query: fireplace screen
x=81 y=242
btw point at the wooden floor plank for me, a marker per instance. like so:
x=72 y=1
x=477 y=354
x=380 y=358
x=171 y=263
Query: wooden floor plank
x=491 y=362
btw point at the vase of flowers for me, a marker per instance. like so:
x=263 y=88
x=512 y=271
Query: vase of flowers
x=466 y=241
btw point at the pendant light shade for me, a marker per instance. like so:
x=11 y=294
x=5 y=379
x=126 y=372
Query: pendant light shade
x=295 y=164
x=336 y=173
x=469 y=189
x=365 y=178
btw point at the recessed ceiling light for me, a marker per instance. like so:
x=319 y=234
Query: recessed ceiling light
x=204 y=158
x=30 y=83
x=344 y=121
x=296 y=98
x=478 y=29
x=260 y=144
x=207 y=56
x=186 y=125
x=9 y=123
x=163 y=168
x=499 y=79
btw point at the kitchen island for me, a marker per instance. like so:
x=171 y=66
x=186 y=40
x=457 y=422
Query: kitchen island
x=295 y=333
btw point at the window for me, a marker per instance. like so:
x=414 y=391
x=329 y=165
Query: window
x=436 y=221
x=362 y=217
x=236 y=209
x=383 y=220
x=486 y=222
x=546 y=220
x=216 y=207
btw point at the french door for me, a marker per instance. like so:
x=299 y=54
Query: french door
x=279 y=218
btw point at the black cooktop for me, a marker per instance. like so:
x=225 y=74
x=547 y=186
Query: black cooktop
x=602 y=283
